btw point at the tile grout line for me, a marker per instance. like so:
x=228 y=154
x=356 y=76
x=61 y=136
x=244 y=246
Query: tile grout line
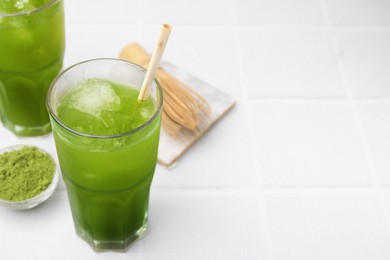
x=273 y=189
x=318 y=99
x=267 y=238
x=314 y=189
x=244 y=90
x=362 y=133
x=258 y=27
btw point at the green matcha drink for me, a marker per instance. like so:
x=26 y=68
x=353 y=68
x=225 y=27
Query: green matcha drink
x=31 y=54
x=107 y=147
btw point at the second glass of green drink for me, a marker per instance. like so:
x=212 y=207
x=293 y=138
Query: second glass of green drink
x=32 y=42
x=107 y=144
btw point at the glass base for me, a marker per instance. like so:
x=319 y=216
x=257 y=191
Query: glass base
x=121 y=246
x=27 y=130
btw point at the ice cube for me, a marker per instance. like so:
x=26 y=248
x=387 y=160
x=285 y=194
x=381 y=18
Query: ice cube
x=15 y=6
x=21 y=4
x=93 y=96
x=116 y=122
x=146 y=112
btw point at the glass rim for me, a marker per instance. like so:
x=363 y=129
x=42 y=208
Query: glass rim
x=127 y=133
x=36 y=10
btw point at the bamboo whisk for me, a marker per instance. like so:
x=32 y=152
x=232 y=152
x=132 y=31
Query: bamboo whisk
x=183 y=108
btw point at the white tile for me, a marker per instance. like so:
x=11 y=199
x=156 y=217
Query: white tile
x=102 y=11
x=366 y=57
x=186 y=49
x=279 y=12
x=221 y=158
x=186 y=12
x=359 y=12
x=45 y=142
x=337 y=226
x=291 y=63
x=207 y=53
x=376 y=123
x=85 y=42
x=309 y=144
x=202 y=224
x=386 y=195
x=39 y=224
x=47 y=232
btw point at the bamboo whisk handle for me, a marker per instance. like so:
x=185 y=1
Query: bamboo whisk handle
x=135 y=53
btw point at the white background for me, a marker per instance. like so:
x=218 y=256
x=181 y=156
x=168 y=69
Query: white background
x=299 y=169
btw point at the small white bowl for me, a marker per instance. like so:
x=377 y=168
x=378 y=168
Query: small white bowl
x=41 y=197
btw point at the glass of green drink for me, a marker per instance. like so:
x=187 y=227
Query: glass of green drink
x=31 y=53
x=107 y=144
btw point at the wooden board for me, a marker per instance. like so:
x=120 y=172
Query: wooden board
x=170 y=148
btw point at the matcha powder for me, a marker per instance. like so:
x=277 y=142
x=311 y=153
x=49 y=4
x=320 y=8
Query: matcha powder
x=24 y=173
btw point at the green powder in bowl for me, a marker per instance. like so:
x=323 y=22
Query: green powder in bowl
x=28 y=176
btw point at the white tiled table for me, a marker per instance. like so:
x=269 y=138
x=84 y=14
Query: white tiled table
x=299 y=169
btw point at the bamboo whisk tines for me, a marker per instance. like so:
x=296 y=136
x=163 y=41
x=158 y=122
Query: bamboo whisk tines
x=183 y=108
